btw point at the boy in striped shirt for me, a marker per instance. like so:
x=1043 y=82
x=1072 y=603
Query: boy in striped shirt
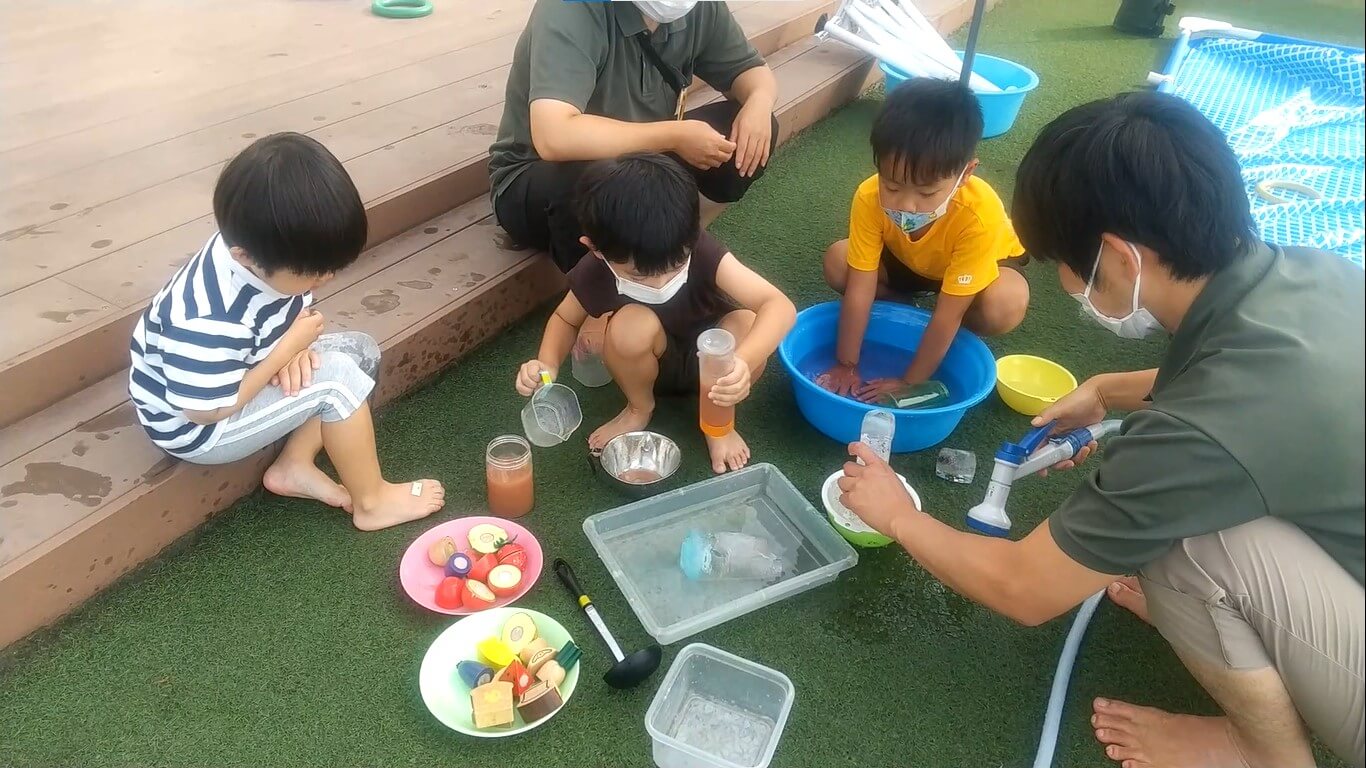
x=230 y=357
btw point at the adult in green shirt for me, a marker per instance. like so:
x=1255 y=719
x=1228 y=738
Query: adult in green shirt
x=594 y=80
x=1235 y=488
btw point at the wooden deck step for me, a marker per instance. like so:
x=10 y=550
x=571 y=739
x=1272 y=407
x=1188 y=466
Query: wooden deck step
x=86 y=497
x=87 y=237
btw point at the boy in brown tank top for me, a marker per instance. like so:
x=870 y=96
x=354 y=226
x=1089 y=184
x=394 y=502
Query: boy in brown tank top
x=662 y=281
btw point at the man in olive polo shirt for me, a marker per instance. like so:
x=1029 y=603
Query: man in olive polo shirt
x=1235 y=488
x=594 y=80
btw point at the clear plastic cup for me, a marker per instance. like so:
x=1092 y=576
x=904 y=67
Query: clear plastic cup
x=552 y=414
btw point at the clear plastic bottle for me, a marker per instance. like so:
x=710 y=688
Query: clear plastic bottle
x=927 y=394
x=879 y=427
x=729 y=555
x=715 y=358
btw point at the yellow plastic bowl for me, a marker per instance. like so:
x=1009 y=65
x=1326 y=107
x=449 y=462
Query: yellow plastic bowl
x=1029 y=384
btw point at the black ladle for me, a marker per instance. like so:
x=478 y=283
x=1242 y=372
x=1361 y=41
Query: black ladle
x=628 y=671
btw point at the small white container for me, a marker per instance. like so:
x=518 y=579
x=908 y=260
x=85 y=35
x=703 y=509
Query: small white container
x=717 y=710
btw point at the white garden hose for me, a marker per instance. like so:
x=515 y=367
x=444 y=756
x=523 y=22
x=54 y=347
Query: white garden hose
x=1052 y=719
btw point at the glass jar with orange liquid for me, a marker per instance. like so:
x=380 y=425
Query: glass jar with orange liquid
x=715 y=359
x=511 y=489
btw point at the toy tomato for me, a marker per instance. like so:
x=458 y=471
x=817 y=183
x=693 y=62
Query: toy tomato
x=504 y=580
x=480 y=570
x=449 y=593
x=512 y=554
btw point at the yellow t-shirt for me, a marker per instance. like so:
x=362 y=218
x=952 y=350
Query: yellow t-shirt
x=961 y=249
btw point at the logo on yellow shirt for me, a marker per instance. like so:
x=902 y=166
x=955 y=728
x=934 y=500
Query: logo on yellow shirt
x=965 y=279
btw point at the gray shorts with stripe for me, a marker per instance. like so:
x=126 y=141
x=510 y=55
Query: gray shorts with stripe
x=349 y=364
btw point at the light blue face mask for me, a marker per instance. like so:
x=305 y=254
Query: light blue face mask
x=913 y=221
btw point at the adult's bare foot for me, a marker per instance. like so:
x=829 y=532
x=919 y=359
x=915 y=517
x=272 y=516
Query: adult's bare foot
x=728 y=453
x=396 y=503
x=300 y=480
x=1144 y=737
x=629 y=420
x=1126 y=592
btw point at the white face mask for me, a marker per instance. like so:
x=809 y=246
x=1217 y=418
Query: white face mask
x=665 y=11
x=1138 y=324
x=646 y=294
x=911 y=221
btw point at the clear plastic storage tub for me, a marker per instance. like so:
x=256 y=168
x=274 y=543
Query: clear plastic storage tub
x=717 y=710
x=640 y=543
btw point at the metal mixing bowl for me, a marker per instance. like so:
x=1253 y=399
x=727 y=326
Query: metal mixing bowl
x=643 y=452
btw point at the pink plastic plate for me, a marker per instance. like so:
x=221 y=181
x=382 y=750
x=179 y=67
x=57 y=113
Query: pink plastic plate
x=419 y=577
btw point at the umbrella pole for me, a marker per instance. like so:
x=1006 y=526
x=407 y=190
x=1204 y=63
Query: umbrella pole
x=970 y=50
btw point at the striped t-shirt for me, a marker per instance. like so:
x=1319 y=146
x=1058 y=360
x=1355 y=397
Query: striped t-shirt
x=211 y=324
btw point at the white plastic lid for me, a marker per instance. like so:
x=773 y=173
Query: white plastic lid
x=716 y=342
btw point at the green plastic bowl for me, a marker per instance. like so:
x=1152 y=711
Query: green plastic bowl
x=856 y=533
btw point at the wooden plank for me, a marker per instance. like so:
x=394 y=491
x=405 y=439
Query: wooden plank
x=43 y=311
x=341 y=117
x=61 y=152
x=110 y=90
x=62 y=417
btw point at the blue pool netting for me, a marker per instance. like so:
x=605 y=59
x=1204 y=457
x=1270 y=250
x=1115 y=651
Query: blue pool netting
x=1293 y=112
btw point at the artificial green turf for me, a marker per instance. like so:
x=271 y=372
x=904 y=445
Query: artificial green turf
x=278 y=636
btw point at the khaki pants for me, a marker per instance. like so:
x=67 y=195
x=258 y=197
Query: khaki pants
x=1262 y=595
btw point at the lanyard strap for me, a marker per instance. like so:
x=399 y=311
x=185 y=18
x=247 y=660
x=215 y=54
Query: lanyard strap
x=677 y=80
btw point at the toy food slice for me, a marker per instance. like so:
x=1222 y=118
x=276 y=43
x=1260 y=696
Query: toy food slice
x=476 y=596
x=504 y=579
x=539 y=701
x=495 y=653
x=518 y=630
x=474 y=674
x=536 y=653
x=551 y=673
x=458 y=564
x=482 y=565
x=568 y=655
x=492 y=704
x=448 y=593
x=518 y=675
x=441 y=550
x=485 y=538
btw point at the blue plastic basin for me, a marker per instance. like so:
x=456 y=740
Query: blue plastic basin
x=998 y=109
x=894 y=331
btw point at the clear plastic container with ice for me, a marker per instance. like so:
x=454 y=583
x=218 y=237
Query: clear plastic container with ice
x=693 y=558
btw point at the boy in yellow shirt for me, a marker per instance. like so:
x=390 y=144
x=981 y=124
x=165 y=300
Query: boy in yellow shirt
x=924 y=223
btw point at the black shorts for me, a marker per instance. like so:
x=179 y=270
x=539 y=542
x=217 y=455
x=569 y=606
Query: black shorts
x=678 y=370
x=903 y=279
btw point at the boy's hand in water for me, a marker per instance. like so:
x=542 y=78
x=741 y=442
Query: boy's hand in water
x=732 y=388
x=842 y=379
x=877 y=388
x=529 y=377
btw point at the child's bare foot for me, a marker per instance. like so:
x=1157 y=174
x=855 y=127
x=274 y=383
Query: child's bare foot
x=1143 y=737
x=398 y=503
x=629 y=420
x=300 y=480
x=1128 y=593
x=728 y=453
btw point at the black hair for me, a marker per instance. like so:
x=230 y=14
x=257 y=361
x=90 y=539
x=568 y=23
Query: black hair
x=1145 y=166
x=926 y=131
x=642 y=209
x=290 y=204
